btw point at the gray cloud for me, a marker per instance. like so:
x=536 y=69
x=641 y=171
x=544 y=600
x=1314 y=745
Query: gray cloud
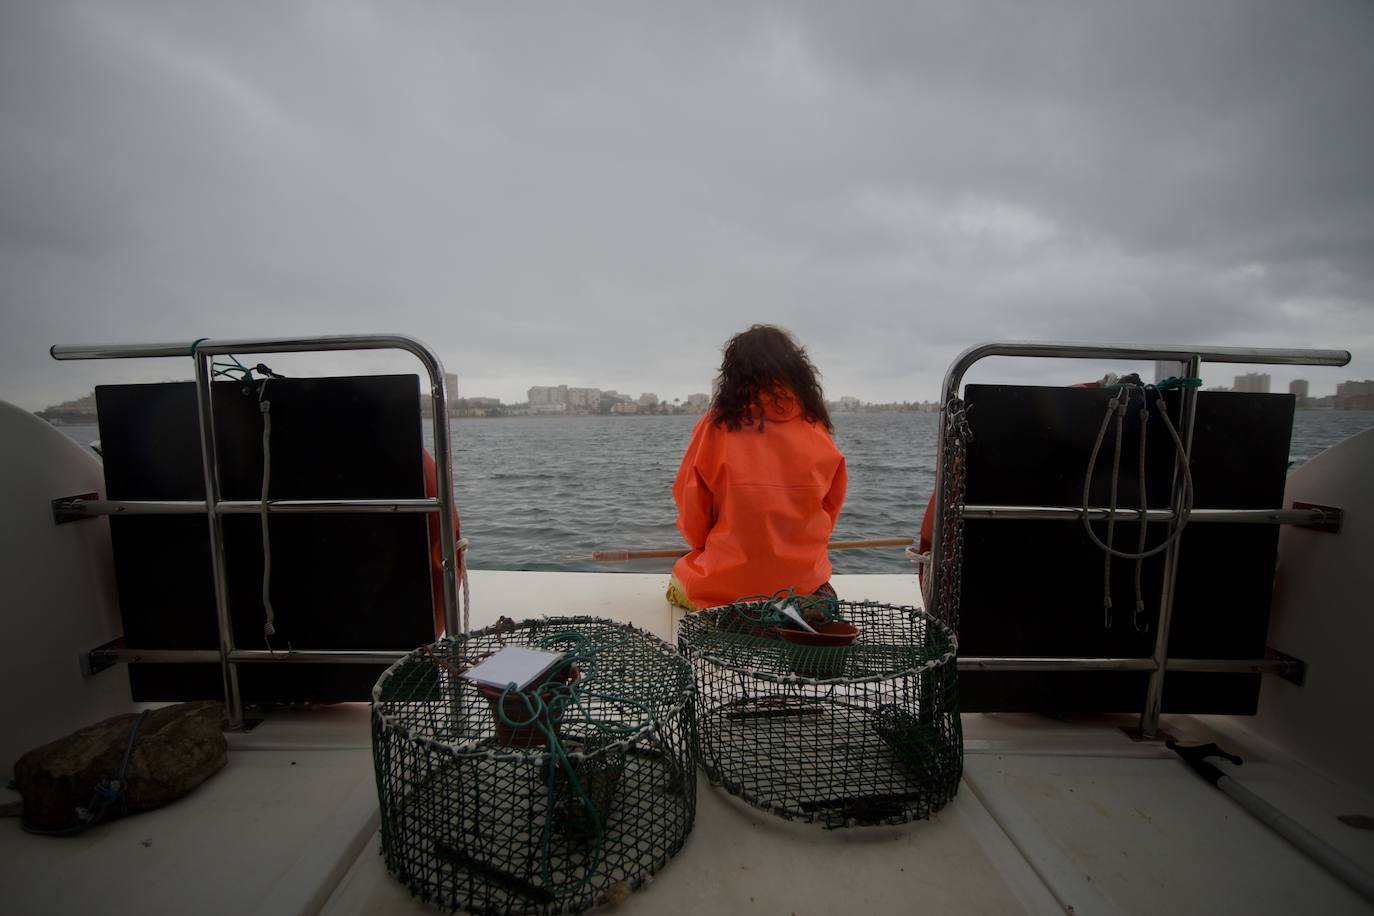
x=601 y=195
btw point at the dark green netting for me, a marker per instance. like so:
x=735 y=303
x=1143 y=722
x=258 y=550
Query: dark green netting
x=546 y=802
x=866 y=734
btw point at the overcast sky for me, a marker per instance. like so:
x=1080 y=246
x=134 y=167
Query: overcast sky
x=601 y=194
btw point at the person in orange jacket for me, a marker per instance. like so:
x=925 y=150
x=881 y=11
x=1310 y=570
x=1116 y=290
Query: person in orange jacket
x=762 y=483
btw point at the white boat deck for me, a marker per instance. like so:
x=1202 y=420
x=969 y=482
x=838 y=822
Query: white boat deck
x=1051 y=817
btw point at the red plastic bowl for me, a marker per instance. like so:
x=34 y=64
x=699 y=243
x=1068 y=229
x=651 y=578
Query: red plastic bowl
x=833 y=635
x=516 y=709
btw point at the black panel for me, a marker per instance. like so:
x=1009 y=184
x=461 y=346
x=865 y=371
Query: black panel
x=1035 y=587
x=338 y=581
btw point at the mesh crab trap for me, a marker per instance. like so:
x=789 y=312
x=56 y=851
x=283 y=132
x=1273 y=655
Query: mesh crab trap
x=551 y=800
x=856 y=724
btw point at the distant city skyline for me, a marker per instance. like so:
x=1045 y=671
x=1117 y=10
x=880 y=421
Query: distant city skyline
x=1321 y=381
x=1216 y=376
x=1351 y=394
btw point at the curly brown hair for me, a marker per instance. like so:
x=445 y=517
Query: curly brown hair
x=765 y=360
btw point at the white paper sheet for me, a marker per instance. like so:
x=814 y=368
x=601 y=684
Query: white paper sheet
x=519 y=665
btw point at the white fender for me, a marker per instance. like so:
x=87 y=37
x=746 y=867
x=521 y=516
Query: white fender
x=59 y=590
x=1323 y=613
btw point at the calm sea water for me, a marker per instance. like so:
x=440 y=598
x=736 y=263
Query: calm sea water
x=543 y=493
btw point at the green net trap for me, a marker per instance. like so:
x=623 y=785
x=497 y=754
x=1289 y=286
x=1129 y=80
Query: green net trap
x=553 y=800
x=843 y=736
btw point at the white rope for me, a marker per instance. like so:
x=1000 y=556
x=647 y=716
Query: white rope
x=465 y=606
x=1185 y=508
x=269 y=628
x=1140 y=626
x=1118 y=406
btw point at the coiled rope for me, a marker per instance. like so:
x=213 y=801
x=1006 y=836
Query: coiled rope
x=813 y=608
x=1116 y=407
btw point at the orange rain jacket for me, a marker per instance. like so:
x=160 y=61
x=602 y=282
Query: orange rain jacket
x=757 y=508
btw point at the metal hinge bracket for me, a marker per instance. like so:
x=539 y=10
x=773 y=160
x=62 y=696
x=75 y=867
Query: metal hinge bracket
x=1294 y=670
x=101 y=657
x=63 y=511
x=1331 y=523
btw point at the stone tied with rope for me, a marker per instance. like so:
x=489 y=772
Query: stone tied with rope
x=122 y=765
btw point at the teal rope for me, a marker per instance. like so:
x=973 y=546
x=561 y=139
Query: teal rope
x=234 y=369
x=770 y=611
x=545 y=713
x=1175 y=381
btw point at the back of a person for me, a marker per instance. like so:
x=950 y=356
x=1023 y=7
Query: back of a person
x=762 y=483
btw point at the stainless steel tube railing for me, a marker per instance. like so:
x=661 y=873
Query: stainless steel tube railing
x=79 y=507
x=112 y=655
x=1154 y=691
x=1192 y=359
x=215 y=508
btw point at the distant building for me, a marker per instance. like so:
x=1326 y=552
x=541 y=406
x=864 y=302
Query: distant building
x=1255 y=382
x=648 y=399
x=451 y=386
x=625 y=407
x=1167 y=368
x=77 y=412
x=584 y=399
x=477 y=407
x=698 y=402
x=1354 y=395
x=1298 y=389
x=550 y=398
x=548 y=394
x=848 y=403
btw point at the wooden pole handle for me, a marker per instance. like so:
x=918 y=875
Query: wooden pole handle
x=613 y=556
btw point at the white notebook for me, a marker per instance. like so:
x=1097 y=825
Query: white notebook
x=519 y=665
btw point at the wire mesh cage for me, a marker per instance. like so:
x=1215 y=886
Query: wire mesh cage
x=552 y=800
x=867 y=733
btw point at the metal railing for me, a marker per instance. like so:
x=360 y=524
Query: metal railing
x=215 y=507
x=115 y=654
x=1191 y=359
